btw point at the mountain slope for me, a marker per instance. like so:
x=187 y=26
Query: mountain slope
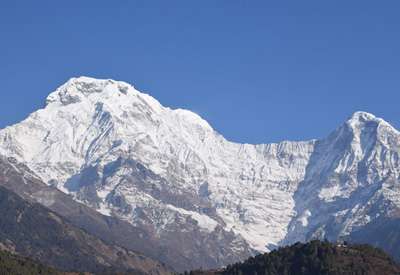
x=31 y=230
x=208 y=200
x=352 y=179
x=21 y=180
x=316 y=258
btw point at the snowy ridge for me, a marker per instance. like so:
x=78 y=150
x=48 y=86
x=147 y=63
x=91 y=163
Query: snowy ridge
x=123 y=153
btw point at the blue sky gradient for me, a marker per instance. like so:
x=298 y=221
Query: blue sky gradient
x=258 y=71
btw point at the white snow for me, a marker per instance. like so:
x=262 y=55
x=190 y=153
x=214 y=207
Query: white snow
x=88 y=122
x=203 y=221
x=104 y=209
x=304 y=217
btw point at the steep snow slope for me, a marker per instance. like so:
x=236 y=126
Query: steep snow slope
x=352 y=179
x=121 y=152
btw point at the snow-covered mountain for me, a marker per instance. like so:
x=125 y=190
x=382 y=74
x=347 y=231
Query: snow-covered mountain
x=167 y=171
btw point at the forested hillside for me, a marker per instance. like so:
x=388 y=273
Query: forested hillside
x=315 y=257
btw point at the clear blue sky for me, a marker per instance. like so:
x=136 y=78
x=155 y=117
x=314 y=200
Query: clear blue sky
x=258 y=71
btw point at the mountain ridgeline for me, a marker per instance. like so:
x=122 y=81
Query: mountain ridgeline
x=115 y=163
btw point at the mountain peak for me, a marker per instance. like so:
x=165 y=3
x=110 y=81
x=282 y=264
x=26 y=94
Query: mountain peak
x=118 y=96
x=77 y=88
x=361 y=115
x=361 y=120
x=82 y=80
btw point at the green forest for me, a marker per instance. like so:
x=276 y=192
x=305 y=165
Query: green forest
x=314 y=258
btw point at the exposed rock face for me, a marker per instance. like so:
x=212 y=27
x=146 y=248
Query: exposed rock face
x=168 y=173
